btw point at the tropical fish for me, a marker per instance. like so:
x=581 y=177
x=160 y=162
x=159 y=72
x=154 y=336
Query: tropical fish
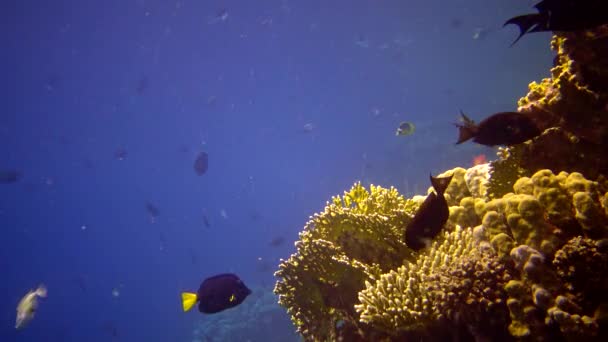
x=405 y=128
x=218 y=293
x=506 y=128
x=28 y=305
x=201 y=163
x=562 y=15
x=430 y=217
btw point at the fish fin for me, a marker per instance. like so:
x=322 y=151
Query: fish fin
x=440 y=183
x=41 y=291
x=188 y=300
x=525 y=23
x=466 y=130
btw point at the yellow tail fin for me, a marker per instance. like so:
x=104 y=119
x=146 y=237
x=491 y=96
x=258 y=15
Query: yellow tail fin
x=188 y=300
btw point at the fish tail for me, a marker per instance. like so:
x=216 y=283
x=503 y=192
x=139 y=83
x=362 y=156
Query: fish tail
x=440 y=183
x=188 y=300
x=525 y=24
x=41 y=291
x=466 y=130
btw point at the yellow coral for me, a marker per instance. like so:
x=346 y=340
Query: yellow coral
x=399 y=300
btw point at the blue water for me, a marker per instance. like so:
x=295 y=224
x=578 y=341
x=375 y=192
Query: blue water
x=292 y=100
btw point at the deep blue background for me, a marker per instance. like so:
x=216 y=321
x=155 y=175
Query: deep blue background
x=167 y=79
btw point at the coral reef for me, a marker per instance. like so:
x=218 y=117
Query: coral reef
x=523 y=255
x=573 y=106
x=356 y=238
x=510 y=267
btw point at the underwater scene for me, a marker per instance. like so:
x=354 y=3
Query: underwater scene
x=290 y=170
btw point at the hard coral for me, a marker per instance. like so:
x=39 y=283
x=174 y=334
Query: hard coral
x=355 y=237
x=574 y=102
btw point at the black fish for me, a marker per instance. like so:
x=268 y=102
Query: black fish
x=506 y=128
x=201 y=164
x=277 y=241
x=153 y=211
x=206 y=221
x=120 y=154
x=217 y=293
x=430 y=217
x=9 y=176
x=142 y=85
x=562 y=15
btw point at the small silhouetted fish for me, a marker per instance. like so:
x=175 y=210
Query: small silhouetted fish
x=430 y=217
x=506 y=128
x=81 y=282
x=142 y=85
x=10 y=176
x=120 y=153
x=405 y=128
x=220 y=16
x=216 y=294
x=277 y=241
x=562 y=15
x=201 y=163
x=153 y=211
x=206 y=221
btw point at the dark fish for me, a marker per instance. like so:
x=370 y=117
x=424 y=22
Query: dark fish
x=562 y=15
x=81 y=282
x=430 y=217
x=10 y=176
x=217 y=293
x=277 y=241
x=506 y=128
x=120 y=154
x=206 y=221
x=201 y=164
x=153 y=211
x=142 y=85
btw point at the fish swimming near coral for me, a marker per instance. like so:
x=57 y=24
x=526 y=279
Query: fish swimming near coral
x=562 y=15
x=28 y=305
x=505 y=128
x=217 y=293
x=430 y=217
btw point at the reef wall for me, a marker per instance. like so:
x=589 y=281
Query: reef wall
x=524 y=254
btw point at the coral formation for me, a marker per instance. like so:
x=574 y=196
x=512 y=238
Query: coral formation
x=356 y=238
x=523 y=255
x=573 y=105
x=505 y=267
